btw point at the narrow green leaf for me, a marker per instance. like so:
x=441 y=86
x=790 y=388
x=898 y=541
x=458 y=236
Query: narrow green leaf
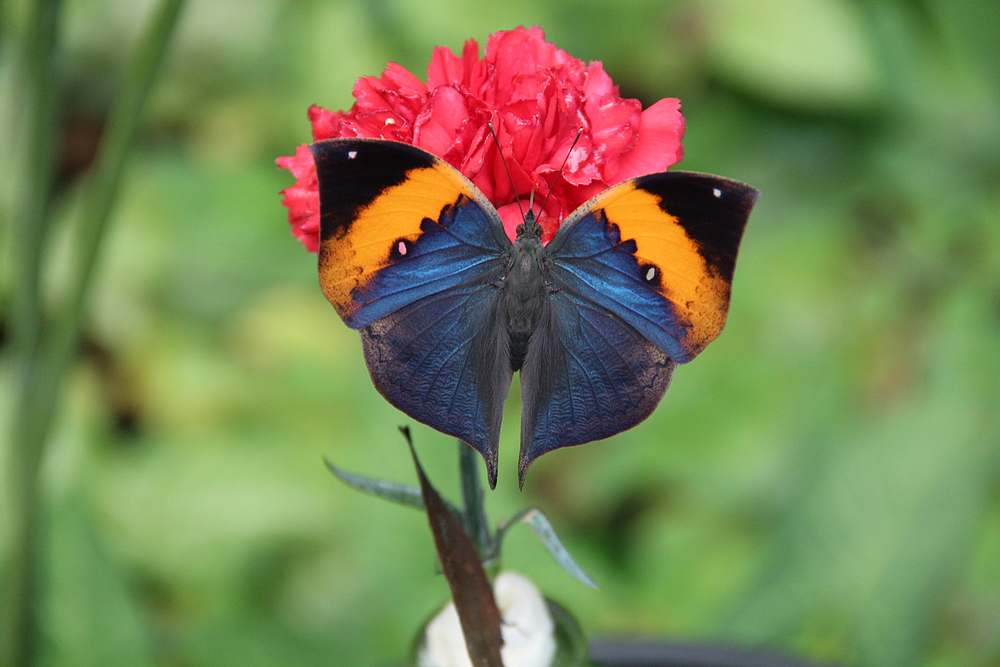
x=102 y=186
x=547 y=535
x=476 y=524
x=397 y=493
x=45 y=352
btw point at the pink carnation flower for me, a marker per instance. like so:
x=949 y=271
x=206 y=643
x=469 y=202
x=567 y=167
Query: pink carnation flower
x=537 y=97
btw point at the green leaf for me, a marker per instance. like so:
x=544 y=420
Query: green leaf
x=547 y=535
x=474 y=517
x=397 y=493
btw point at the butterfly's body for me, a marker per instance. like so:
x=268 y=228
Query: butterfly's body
x=634 y=282
x=523 y=299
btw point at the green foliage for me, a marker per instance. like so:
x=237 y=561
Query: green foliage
x=822 y=480
x=473 y=518
x=546 y=534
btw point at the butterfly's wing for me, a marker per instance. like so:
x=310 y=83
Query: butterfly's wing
x=443 y=360
x=397 y=224
x=588 y=374
x=641 y=277
x=659 y=252
x=411 y=254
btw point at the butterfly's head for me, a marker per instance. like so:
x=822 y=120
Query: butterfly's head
x=530 y=227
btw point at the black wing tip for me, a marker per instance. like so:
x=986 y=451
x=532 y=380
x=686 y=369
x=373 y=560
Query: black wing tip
x=490 y=459
x=746 y=195
x=491 y=470
x=326 y=148
x=353 y=172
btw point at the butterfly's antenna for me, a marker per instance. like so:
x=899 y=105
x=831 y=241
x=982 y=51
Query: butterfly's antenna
x=561 y=167
x=506 y=168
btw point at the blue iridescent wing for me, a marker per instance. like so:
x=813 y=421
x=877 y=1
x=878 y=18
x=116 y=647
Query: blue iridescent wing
x=658 y=251
x=411 y=254
x=588 y=375
x=443 y=360
x=640 y=280
x=397 y=224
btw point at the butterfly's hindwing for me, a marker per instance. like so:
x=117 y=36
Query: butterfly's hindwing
x=443 y=360
x=588 y=375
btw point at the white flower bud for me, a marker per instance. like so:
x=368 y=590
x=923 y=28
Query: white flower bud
x=527 y=629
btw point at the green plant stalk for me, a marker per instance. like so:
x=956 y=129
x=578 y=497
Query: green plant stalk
x=27 y=230
x=44 y=355
x=473 y=501
x=102 y=189
x=38 y=120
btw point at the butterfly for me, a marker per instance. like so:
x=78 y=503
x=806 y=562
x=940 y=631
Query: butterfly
x=635 y=281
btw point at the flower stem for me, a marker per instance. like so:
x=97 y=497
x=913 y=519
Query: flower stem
x=27 y=229
x=42 y=354
x=122 y=128
x=473 y=502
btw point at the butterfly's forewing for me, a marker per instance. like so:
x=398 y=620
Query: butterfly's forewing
x=397 y=224
x=659 y=252
x=641 y=277
x=410 y=253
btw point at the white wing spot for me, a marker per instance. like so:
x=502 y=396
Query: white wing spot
x=390 y=121
x=351 y=155
x=717 y=192
x=650 y=274
x=402 y=247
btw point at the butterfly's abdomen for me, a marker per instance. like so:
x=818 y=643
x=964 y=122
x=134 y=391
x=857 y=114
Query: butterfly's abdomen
x=523 y=299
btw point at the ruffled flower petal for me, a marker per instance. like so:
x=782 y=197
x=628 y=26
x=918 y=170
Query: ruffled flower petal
x=658 y=140
x=438 y=127
x=302 y=199
x=537 y=96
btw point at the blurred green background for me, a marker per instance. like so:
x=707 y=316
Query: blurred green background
x=822 y=480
